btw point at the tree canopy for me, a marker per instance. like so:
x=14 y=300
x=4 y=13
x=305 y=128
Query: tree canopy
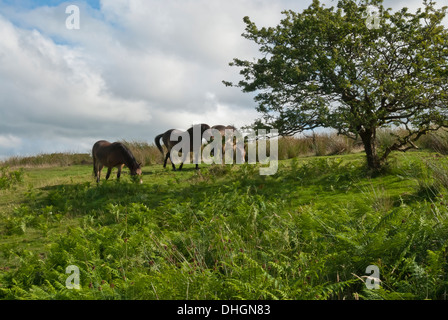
x=333 y=68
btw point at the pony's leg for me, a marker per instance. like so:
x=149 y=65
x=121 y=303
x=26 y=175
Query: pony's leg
x=223 y=154
x=119 y=171
x=109 y=170
x=184 y=157
x=98 y=173
x=172 y=163
x=166 y=159
x=95 y=172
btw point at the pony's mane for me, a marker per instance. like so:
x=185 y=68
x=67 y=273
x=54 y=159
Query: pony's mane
x=129 y=157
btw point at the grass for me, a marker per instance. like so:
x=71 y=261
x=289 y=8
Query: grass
x=225 y=232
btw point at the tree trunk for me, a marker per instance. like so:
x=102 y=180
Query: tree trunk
x=368 y=137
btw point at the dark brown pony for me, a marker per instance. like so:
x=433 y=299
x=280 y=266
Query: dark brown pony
x=113 y=155
x=169 y=144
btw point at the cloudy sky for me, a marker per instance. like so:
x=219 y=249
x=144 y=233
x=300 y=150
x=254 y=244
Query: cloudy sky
x=132 y=70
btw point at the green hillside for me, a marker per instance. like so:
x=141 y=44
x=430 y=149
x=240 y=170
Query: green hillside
x=226 y=232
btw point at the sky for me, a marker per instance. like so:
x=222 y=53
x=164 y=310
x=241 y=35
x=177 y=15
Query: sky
x=133 y=69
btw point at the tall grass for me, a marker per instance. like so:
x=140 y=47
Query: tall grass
x=315 y=144
x=312 y=144
x=144 y=153
x=52 y=159
x=322 y=144
x=436 y=141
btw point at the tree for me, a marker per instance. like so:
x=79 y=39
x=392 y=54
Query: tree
x=335 y=68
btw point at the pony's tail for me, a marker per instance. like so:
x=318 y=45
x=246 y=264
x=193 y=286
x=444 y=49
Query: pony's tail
x=158 y=145
x=94 y=166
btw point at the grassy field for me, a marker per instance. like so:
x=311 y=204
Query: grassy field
x=225 y=232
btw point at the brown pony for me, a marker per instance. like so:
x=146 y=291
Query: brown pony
x=222 y=130
x=169 y=144
x=113 y=155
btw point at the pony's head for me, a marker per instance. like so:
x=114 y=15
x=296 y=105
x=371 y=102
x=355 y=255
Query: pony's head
x=136 y=172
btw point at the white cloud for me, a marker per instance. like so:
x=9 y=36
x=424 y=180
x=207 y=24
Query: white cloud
x=9 y=141
x=133 y=70
x=43 y=83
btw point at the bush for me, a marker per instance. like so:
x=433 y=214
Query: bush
x=9 y=179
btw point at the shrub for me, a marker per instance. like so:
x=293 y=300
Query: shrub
x=10 y=178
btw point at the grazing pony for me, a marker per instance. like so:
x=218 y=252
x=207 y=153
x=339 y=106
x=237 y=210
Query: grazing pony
x=169 y=144
x=113 y=155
